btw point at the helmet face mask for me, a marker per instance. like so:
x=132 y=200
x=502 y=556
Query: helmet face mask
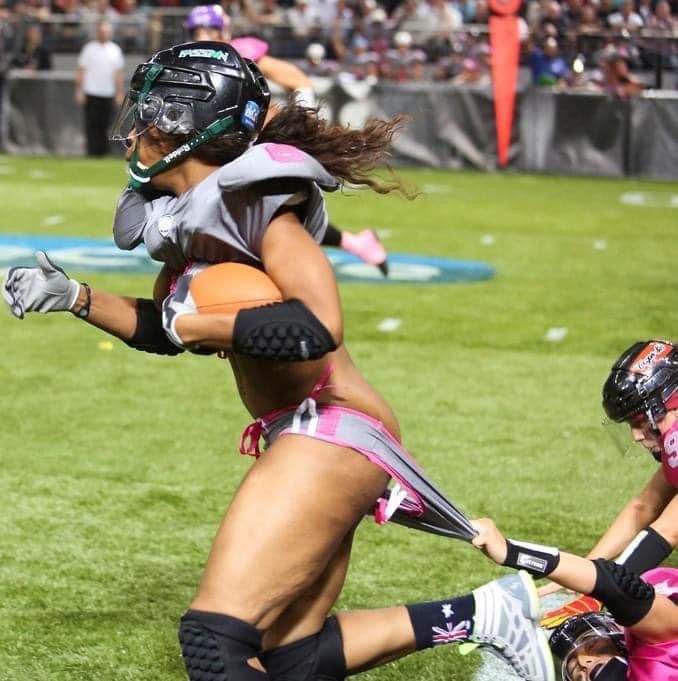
x=591 y=634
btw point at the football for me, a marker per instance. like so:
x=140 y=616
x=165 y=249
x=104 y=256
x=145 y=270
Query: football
x=232 y=286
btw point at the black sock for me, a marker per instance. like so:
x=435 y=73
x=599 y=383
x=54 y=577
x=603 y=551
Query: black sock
x=438 y=622
x=332 y=236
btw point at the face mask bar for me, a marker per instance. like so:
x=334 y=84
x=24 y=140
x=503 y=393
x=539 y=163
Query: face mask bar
x=613 y=670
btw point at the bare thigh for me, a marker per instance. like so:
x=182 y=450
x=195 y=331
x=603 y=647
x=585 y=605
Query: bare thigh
x=306 y=615
x=291 y=514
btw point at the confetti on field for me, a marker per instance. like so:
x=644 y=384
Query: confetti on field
x=600 y=245
x=488 y=240
x=556 y=334
x=52 y=220
x=107 y=346
x=389 y=324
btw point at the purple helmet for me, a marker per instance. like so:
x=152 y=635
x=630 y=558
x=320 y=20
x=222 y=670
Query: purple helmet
x=207 y=16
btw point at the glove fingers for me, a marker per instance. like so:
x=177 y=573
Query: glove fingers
x=9 y=294
x=46 y=265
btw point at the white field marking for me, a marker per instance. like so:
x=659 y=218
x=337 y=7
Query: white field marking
x=488 y=240
x=7 y=170
x=38 y=174
x=494 y=669
x=555 y=334
x=389 y=324
x=52 y=220
x=600 y=245
x=435 y=189
x=384 y=233
x=650 y=199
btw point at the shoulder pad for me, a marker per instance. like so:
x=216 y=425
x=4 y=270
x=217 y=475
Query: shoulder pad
x=250 y=47
x=274 y=161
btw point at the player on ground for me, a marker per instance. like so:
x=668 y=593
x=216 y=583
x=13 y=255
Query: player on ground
x=639 y=642
x=210 y=22
x=641 y=392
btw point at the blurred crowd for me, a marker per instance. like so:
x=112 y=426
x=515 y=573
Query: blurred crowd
x=613 y=46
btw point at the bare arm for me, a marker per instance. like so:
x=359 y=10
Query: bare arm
x=579 y=574
x=307 y=276
x=641 y=511
x=284 y=73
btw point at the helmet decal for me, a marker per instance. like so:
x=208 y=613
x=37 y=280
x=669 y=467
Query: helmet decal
x=641 y=382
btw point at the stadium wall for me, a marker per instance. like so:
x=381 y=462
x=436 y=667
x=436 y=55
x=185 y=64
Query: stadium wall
x=451 y=127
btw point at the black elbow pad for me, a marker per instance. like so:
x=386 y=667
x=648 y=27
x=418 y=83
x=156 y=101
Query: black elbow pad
x=149 y=336
x=624 y=593
x=284 y=332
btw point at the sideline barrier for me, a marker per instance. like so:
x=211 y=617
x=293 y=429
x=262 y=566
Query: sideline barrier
x=451 y=127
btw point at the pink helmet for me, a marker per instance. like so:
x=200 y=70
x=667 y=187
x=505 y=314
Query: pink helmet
x=207 y=16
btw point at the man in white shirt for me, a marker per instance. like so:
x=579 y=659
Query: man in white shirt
x=99 y=85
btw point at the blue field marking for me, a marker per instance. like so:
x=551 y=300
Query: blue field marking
x=102 y=255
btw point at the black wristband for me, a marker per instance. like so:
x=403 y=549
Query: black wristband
x=648 y=550
x=83 y=312
x=536 y=559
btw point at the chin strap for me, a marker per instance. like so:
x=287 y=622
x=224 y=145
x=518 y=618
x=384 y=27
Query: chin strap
x=140 y=176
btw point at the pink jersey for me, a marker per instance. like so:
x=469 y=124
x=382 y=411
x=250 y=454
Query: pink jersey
x=250 y=47
x=655 y=661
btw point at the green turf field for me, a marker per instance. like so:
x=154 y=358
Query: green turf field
x=117 y=465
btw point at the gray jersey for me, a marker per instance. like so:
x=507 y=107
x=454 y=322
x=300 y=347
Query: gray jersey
x=224 y=217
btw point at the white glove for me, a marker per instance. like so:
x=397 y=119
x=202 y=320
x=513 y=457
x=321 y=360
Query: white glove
x=46 y=288
x=177 y=304
x=304 y=96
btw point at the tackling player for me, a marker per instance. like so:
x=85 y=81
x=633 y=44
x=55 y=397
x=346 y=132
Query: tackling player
x=639 y=642
x=641 y=392
x=210 y=22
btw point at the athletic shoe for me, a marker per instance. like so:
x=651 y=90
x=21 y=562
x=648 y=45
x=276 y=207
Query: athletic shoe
x=505 y=620
x=367 y=247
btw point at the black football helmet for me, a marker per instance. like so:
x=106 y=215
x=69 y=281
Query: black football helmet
x=591 y=629
x=200 y=90
x=641 y=381
x=189 y=87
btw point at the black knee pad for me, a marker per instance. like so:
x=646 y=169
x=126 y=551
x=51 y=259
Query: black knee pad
x=315 y=658
x=216 y=647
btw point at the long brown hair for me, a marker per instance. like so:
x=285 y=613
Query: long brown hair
x=357 y=156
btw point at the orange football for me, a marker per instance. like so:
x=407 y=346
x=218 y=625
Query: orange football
x=232 y=286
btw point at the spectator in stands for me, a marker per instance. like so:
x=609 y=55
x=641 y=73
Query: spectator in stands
x=99 y=86
x=589 y=21
x=626 y=18
x=303 y=21
x=33 y=54
x=662 y=21
x=615 y=78
x=404 y=62
x=472 y=73
x=547 y=65
x=316 y=62
x=359 y=62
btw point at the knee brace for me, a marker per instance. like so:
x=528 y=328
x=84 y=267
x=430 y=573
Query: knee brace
x=315 y=658
x=216 y=647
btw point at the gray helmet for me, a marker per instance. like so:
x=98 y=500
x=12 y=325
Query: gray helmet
x=641 y=381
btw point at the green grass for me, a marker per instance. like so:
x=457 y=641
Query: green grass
x=117 y=465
